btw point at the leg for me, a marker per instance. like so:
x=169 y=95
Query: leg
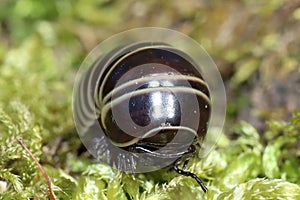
x=187 y=173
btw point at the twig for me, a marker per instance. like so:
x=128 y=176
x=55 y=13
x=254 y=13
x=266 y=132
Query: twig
x=40 y=167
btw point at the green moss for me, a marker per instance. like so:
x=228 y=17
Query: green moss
x=231 y=171
x=16 y=166
x=41 y=48
x=263 y=189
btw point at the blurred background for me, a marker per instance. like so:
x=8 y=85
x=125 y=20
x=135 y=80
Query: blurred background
x=254 y=44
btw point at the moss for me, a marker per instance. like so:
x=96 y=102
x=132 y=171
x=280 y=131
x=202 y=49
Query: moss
x=41 y=48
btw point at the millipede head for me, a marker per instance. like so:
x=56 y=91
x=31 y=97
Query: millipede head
x=143 y=98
